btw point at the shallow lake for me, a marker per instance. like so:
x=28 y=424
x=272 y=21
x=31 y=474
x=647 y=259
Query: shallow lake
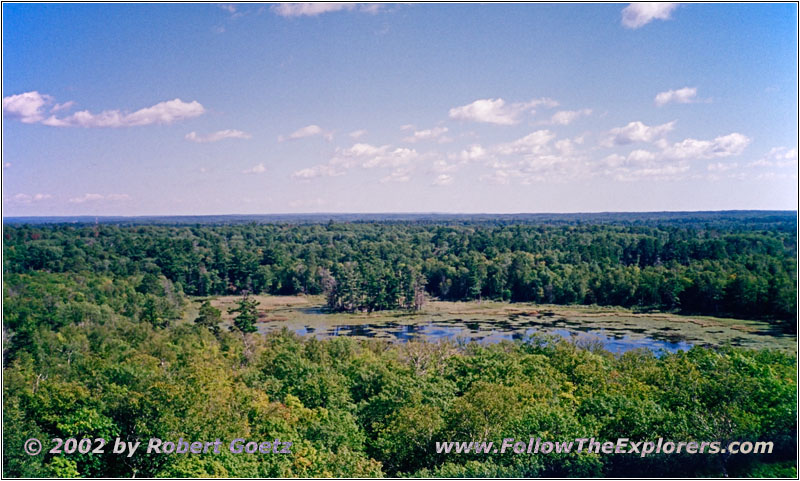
x=615 y=330
x=491 y=332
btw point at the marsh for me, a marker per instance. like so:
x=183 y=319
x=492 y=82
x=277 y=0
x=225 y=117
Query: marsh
x=614 y=329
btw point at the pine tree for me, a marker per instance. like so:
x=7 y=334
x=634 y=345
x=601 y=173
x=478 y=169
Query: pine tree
x=245 y=321
x=209 y=317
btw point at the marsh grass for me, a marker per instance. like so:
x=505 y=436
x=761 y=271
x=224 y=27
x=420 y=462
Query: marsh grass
x=307 y=315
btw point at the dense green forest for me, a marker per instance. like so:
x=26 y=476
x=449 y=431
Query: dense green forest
x=94 y=346
x=740 y=270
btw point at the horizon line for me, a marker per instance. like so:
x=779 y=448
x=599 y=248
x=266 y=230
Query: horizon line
x=106 y=216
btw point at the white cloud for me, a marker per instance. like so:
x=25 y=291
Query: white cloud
x=723 y=146
x=322 y=170
x=566 y=117
x=537 y=157
x=256 y=169
x=307 y=131
x=471 y=153
x=314 y=9
x=565 y=146
x=429 y=134
x=637 y=15
x=361 y=155
x=685 y=95
x=641 y=156
x=636 y=158
x=640 y=165
x=637 y=132
x=362 y=150
x=388 y=158
x=370 y=7
x=457 y=160
x=496 y=111
x=29 y=199
x=613 y=160
x=673 y=161
x=62 y=106
x=777 y=157
x=98 y=198
x=217 y=136
x=443 y=179
x=442 y=165
x=673 y=171
x=356 y=134
x=28 y=108
x=402 y=174
x=532 y=143
x=160 y=113
x=542 y=157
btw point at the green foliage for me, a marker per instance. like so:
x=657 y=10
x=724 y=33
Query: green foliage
x=95 y=347
x=63 y=468
x=246 y=315
x=369 y=409
x=786 y=469
x=209 y=317
x=738 y=267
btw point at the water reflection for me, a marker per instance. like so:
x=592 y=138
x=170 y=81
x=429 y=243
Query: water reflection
x=616 y=340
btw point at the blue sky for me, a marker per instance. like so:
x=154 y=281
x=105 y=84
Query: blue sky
x=147 y=109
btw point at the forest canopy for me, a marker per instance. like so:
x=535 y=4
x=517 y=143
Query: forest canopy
x=96 y=345
x=740 y=269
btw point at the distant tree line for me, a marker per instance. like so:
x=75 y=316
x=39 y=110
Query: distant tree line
x=737 y=271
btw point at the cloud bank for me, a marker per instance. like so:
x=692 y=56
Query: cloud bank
x=365 y=156
x=29 y=107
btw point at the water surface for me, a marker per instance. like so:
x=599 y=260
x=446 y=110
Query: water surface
x=616 y=330
x=492 y=332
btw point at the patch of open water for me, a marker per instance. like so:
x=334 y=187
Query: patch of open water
x=611 y=339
